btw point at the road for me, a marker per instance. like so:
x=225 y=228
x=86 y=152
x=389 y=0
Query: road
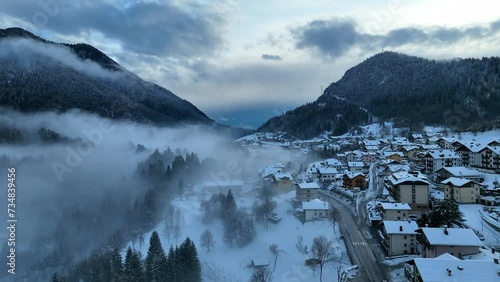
x=357 y=246
x=360 y=250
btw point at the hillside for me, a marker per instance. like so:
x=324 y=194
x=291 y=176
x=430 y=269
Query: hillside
x=411 y=91
x=38 y=75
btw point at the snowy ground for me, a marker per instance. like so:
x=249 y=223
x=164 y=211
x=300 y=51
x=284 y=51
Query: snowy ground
x=473 y=219
x=225 y=264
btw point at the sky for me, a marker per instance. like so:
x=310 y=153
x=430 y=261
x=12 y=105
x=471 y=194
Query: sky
x=237 y=59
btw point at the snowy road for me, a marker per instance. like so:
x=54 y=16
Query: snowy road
x=357 y=245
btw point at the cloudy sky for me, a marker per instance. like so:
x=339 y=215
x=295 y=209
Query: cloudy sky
x=235 y=59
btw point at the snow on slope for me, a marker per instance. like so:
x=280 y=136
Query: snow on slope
x=229 y=264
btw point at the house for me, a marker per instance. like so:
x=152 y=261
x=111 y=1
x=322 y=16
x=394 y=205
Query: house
x=368 y=158
x=432 y=140
x=446 y=143
x=449 y=268
x=455 y=241
x=315 y=209
x=352 y=180
x=400 y=237
x=410 y=151
x=272 y=169
x=335 y=163
x=397 y=156
x=461 y=190
x=394 y=211
x=437 y=159
x=327 y=173
x=411 y=189
x=490 y=157
x=306 y=191
x=395 y=168
x=282 y=182
x=459 y=172
x=469 y=152
x=259 y=262
x=348 y=156
x=355 y=166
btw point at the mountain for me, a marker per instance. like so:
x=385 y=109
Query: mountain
x=39 y=75
x=460 y=93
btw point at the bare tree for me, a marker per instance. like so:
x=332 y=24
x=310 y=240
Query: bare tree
x=332 y=216
x=207 y=240
x=322 y=253
x=177 y=232
x=261 y=274
x=273 y=248
x=300 y=245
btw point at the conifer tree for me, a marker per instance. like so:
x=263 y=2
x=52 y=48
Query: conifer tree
x=155 y=260
x=133 y=271
x=116 y=266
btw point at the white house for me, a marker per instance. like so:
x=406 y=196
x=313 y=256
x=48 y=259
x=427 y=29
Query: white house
x=450 y=268
x=395 y=211
x=355 y=166
x=400 y=237
x=437 y=159
x=306 y=191
x=327 y=173
x=315 y=209
x=455 y=241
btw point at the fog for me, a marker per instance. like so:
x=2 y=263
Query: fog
x=32 y=50
x=57 y=181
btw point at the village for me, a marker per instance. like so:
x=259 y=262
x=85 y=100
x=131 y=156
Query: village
x=389 y=187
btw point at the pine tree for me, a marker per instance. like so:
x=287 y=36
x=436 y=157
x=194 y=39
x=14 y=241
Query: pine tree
x=55 y=278
x=229 y=206
x=116 y=266
x=189 y=262
x=155 y=260
x=133 y=271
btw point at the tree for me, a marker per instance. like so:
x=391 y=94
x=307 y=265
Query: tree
x=265 y=206
x=322 y=253
x=261 y=274
x=155 y=260
x=55 y=278
x=229 y=206
x=207 y=240
x=188 y=263
x=239 y=229
x=332 y=216
x=273 y=248
x=445 y=212
x=116 y=266
x=300 y=245
x=133 y=271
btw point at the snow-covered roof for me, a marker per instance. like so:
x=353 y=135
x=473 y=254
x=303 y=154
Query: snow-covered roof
x=351 y=175
x=355 y=164
x=400 y=227
x=458 y=182
x=328 y=170
x=451 y=269
x=401 y=177
x=395 y=206
x=398 y=167
x=310 y=185
x=430 y=146
x=443 y=154
x=333 y=162
x=388 y=154
x=315 y=204
x=455 y=236
x=494 y=149
x=474 y=146
x=461 y=171
x=260 y=261
x=281 y=176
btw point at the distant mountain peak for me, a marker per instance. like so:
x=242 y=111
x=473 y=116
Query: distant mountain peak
x=43 y=83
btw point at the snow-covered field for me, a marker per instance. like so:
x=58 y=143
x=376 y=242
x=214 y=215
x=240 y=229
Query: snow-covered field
x=473 y=219
x=230 y=264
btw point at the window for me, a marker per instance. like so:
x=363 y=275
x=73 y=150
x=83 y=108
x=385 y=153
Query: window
x=404 y=237
x=406 y=245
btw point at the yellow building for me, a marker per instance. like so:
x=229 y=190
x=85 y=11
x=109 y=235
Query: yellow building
x=462 y=190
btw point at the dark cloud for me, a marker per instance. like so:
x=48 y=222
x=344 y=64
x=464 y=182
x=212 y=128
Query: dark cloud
x=143 y=27
x=333 y=38
x=271 y=57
